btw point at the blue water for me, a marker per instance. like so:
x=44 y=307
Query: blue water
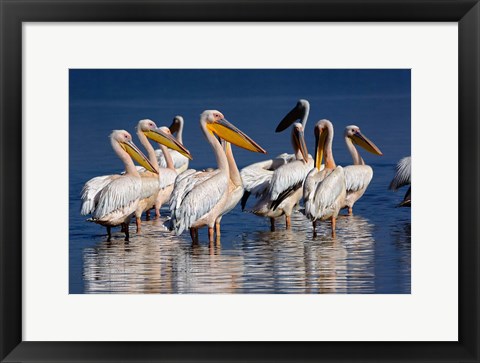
x=371 y=253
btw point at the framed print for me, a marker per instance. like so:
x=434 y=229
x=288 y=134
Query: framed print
x=206 y=181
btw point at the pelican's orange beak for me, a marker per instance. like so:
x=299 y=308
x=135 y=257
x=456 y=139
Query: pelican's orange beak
x=232 y=134
x=168 y=140
x=361 y=140
x=137 y=155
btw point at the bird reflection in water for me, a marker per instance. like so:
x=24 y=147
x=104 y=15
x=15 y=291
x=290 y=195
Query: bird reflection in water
x=159 y=262
x=293 y=262
x=285 y=261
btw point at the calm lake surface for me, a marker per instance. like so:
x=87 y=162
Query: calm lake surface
x=371 y=253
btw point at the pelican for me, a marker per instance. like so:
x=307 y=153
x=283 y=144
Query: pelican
x=278 y=183
x=180 y=161
x=403 y=177
x=235 y=185
x=324 y=191
x=257 y=177
x=199 y=198
x=156 y=187
x=358 y=175
x=112 y=199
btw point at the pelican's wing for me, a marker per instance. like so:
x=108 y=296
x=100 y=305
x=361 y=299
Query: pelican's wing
x=310 y=184
x=403 y=174
x=179 y=160
x=260 y=174
x=407 y=199
x=161 y=158
x=314 y=177
x=330 y=186
x=357 y=177
x=118 y=194
x=150 y=184
x=91 y=192
x=257 y=177
x=167 y=177
x=195 y=195
x=184 y=183
x=289 y=177
x=140 y=169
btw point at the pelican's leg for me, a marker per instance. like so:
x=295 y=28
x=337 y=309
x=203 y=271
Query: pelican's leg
x=138 y=222
x=217 y=227
x=147 y=215
x=314 y=224
x=193 y=235
x=272 y=224
x=157 y=210
x=288 y=223
x=350 y=211
x=334 y=223
x=196 y=234
x=127 y=232
x=210 y=234
x=109 y=233
x=123 y=228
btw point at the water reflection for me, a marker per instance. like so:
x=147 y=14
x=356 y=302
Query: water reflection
x=257 y=261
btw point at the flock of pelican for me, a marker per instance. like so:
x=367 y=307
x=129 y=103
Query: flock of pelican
x=201 y=198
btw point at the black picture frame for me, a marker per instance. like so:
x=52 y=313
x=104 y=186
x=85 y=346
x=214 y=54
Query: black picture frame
x=14 y=12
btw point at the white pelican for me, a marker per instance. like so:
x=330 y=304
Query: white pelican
x=358 y=175
x=403 y=177
x=257 y=177
x=282 y=188
x=180 y=162
x=277 y=183
x=199 y=198
x=112 y=199
x=156 y=188
x=235 y=185
x=324 y=191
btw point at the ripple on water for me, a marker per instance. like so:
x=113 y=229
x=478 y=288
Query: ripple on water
x=253 y=261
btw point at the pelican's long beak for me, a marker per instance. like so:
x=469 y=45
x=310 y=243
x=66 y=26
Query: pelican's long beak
x=361 y=140
x=289 y=119
x=138 y=156
x=230 y=133
x=320 y=139
x=299 y=137
x=168 y=140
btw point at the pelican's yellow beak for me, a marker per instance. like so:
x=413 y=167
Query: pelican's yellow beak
x=299 y=137
x=320 y=139
x=230 y=133
x=361 y=140
x=168 y=140
x=138 y=156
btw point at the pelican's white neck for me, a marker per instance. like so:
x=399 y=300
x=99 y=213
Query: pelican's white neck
x=357 y=159
x=220 y=156
x=152 y=157
x=130 y=168
x=232 y=165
